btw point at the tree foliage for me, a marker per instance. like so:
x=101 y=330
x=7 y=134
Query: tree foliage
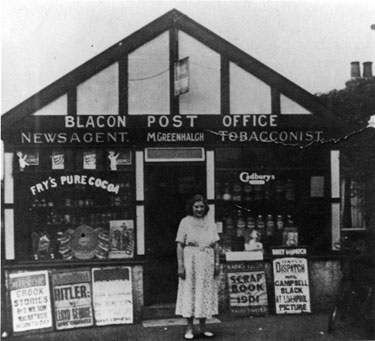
x=355 y=105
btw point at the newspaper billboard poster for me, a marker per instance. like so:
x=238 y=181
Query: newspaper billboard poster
x=247 y=288
x=30 y=300
x=112 y=295
x=291 y=280
x=72 y=299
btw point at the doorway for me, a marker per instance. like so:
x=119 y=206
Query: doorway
x=168 y=187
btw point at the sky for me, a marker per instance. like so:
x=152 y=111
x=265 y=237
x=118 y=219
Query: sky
x=312 y=43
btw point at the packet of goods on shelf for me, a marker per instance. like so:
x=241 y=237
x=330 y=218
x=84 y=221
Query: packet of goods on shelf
x=290 y=236
x=41 y=244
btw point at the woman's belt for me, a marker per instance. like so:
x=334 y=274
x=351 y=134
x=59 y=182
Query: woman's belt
x=201 y=248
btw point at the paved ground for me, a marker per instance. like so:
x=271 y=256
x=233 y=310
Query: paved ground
x=275 y=328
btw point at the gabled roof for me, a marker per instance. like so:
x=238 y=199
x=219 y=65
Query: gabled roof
x=179 y=21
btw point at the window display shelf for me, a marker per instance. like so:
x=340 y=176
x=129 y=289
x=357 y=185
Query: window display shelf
x=73 y=263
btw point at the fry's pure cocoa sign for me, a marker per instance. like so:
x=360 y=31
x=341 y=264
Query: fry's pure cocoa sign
x=75 y=179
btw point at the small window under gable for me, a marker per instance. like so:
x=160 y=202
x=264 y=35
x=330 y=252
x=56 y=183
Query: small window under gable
x=99 y=94
x=248 y=94
x=203 y=96
x=58 y=107
x=148 y=81
x=287 y=106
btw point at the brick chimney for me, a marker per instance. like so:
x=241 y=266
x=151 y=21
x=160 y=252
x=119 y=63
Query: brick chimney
x=355 y=70
x=367 y=70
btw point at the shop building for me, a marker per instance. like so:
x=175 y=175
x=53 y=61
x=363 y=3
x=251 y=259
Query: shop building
x=99 y=164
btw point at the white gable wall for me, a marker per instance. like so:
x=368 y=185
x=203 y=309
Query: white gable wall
x=204 y=78
x=248 y=94
x=149 y=88
x=56 y=108
x=99 y=94
x=149 y=78
x=290 y=107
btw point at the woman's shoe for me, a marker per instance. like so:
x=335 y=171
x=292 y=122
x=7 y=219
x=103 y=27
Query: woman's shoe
x=207 y=334
x=189 y=335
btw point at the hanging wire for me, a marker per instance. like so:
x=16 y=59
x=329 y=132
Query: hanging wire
x=205 y=67
x=166 y=70
x=149 y=77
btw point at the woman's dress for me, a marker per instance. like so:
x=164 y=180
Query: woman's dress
x=197 y=294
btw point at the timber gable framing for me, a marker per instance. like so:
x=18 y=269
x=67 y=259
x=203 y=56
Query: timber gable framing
x=172 y=21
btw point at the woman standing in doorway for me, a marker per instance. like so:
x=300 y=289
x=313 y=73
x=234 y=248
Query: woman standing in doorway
x=198 y=266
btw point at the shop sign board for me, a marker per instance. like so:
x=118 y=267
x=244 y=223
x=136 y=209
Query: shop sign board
x=30 y=300
x=72 y=299
x=291 y=280
x=91 y=130
x=247 y=288
x=112 y=295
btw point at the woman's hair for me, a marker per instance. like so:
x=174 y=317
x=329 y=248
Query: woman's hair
x=193 y=200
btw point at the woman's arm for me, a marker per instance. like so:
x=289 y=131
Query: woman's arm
x=217 y=259
x=180 y=260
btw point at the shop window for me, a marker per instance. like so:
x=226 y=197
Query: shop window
x=74 y=204
x=203 y=96
x=148 y=82
x=353 y=205
x=279 y=193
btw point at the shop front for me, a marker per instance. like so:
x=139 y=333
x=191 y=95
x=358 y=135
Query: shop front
x=99 y=166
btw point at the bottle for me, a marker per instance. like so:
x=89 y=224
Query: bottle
x=241 y=224
x=218 y=191
x=260 y=226
x=289 y=190
x=267 y=191
x=229 y=225
x=280 y=190
x=250 y=223
x=270 y=227
x=237 y=192
x=248 y=192
x=258 y=190
x=227 y=195
x=279 y=229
